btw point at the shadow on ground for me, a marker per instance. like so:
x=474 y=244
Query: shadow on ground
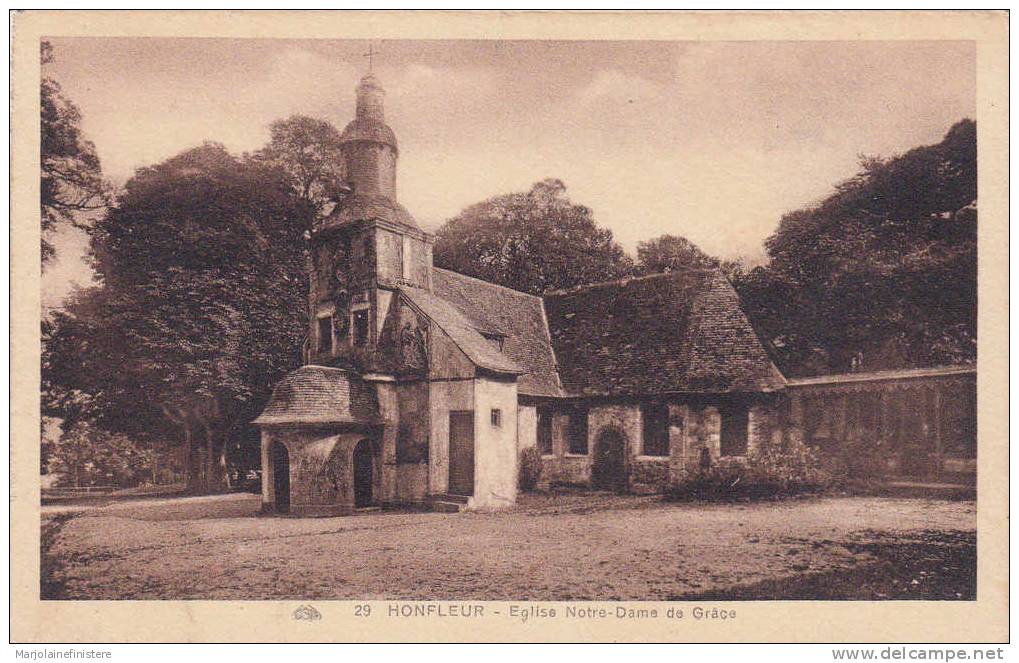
x=937 y=566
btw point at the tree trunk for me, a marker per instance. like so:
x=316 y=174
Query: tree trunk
x=215 y=460
x=192 y=466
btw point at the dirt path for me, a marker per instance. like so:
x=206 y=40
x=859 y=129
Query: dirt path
x=623 y=548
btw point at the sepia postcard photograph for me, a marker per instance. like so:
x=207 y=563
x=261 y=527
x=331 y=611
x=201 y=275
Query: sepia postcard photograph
x=527 y=326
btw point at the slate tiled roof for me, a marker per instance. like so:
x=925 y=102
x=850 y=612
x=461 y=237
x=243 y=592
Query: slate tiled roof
x=517 y=315
x=320 y=395
x=682 y=332
x=463 y=331
x=359 y=207
x=368 y=130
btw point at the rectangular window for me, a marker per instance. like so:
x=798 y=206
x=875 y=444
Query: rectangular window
x=735 y=424
x=578 y=432
x=325 y=334
x=361 y=327
x=545 y=431
x=496 y=418
x=655 y=418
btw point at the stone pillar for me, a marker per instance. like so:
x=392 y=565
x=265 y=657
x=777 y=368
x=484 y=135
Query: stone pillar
x=268 y=497
x=678 y=418
x=389 y=412
x=796 y=433
x=712 y=423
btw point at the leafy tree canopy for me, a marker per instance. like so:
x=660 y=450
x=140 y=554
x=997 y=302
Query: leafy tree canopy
x=882 y=273
x=534 y=242
x=668 y=253
x=71 y=181
x=308 y=151
x=201 y=307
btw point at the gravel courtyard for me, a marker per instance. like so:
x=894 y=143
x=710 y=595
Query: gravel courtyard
x=547 y=548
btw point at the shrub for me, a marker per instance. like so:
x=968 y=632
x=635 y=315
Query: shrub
x=530 y=468
x=763 y=474
x=858 y=463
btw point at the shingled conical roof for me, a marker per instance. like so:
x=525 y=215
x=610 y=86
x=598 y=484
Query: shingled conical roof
x=320 y=395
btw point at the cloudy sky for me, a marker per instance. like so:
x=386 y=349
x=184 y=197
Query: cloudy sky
x=713 y=141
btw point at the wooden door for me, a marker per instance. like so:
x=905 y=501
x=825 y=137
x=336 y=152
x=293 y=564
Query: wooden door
x=608 y=469
x=461 y=453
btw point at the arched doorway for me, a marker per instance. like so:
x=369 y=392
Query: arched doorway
x=280 y=459
x=364 y=473
x=608 y=471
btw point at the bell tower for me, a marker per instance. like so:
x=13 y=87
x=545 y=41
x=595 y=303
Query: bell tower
x=369 y=145
x=368 y=247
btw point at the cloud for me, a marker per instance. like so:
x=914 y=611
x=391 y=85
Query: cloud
x=613 y=86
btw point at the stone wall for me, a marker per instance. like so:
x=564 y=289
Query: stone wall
x=495 y=445
x=624 y=418
x=649 y=475
x=765 y=428
x=694 y=427
x=444 y=397
x=320 y=470
x=692 y=430
x=527 y=427
x=389 y=412
x=563 y=467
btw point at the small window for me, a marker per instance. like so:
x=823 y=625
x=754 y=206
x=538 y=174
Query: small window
x=325 y=334
x=735 y=423
x=496 y=418
x=361 y=327
x=578 y=432
x=656 y=429
x=497 y=340
x=545 y=431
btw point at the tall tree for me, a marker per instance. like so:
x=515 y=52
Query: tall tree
x=308 y=151
x=534 y=242
x=668 y=253
x=882 y=273
x=201 y=306
x=72 y=188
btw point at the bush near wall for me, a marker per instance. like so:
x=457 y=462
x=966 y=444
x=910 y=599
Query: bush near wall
x=766 y=473
x=857 y=463
x=530 y=468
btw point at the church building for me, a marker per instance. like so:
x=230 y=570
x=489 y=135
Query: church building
x=421 y=385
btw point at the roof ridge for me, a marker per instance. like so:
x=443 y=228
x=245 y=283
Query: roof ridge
x=328 y=368
x=488 y=283
x=629 y=279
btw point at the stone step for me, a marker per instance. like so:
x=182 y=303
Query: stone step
x=448 y=497
x=442 y=506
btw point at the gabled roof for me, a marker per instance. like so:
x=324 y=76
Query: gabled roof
x=320 y=395
x=518 y=316
x=681 y=332
x=462 y=331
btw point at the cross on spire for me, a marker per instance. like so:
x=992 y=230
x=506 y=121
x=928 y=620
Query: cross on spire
x=371 y=57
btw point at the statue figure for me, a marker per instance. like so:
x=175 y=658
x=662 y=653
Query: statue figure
x=412 y=346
